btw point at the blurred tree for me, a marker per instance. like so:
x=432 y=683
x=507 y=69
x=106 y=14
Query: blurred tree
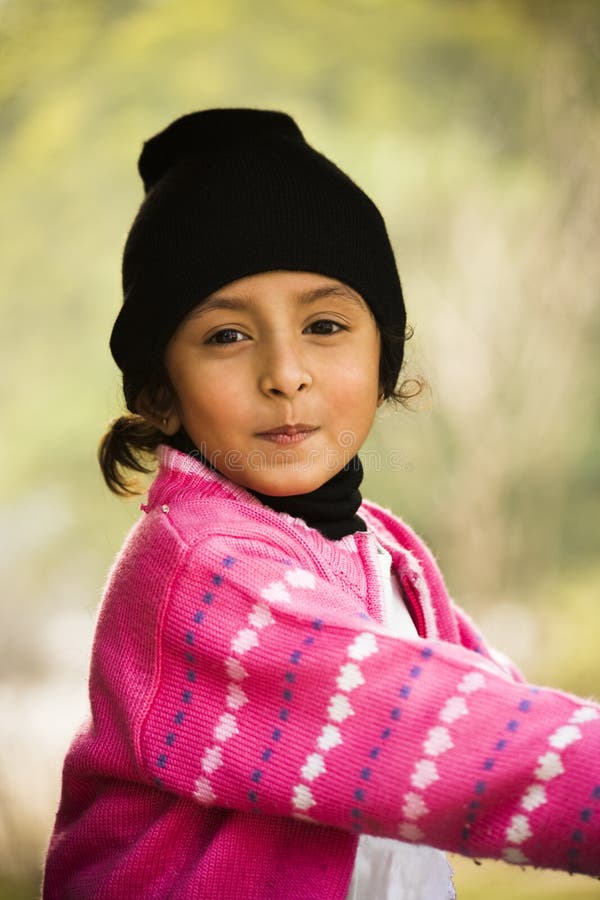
x=475 y=126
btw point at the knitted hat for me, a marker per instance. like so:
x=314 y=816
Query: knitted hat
x=231 y=193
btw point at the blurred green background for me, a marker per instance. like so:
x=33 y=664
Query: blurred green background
x=474 y=125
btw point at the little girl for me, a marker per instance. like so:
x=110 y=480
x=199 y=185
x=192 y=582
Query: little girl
x=285 y=702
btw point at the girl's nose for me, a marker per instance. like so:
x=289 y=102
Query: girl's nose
x=284 y=373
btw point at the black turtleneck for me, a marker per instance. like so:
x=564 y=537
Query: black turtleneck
x=331 y=508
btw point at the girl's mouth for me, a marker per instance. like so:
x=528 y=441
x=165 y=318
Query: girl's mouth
x=288 y=434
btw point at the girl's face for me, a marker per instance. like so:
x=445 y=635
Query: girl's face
x=276 y=379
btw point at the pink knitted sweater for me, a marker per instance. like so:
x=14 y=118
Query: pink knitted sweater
x=251 y=717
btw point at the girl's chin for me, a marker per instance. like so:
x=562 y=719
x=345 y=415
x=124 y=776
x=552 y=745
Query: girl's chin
x=282 y=484
x=284 y=490
x=289 y=474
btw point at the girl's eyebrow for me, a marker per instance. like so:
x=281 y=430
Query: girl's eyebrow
x=304 y=298
x=337 y=290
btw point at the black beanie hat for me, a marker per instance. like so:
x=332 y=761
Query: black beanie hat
x=231 y=193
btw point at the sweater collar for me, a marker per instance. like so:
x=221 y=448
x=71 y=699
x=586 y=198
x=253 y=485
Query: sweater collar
x=331 y=509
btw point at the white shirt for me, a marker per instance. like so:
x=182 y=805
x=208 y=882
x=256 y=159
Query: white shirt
x=386 y=869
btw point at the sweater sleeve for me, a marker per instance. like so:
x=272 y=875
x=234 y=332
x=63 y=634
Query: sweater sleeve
x=275 y=694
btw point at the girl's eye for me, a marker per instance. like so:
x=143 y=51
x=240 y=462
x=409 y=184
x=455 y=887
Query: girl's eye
x=226 y=336
x=325 y=326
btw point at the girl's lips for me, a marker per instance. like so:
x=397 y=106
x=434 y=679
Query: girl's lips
x=288 y=434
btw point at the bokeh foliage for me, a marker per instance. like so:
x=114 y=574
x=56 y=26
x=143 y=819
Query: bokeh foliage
x=474 y=124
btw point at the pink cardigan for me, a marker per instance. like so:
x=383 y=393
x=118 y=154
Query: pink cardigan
x=251 y=717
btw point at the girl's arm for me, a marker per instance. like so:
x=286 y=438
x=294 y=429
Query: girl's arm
x=273 y=694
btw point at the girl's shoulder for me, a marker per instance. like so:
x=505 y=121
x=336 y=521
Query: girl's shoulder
x=197 y=501
x=199 y=509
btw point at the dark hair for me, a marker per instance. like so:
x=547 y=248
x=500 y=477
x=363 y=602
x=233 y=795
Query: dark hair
x=130 y=443
x=390 y=364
